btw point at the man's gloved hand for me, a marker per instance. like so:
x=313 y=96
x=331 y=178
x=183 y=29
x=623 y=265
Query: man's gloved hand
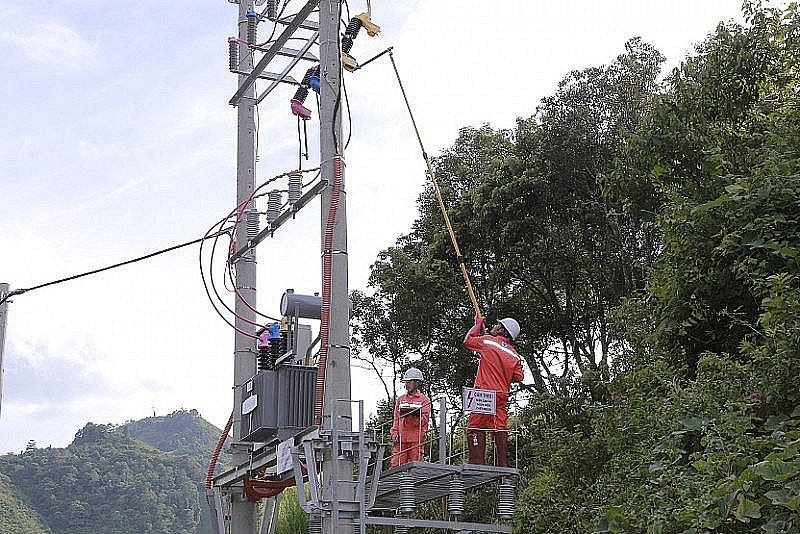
x=480 y=323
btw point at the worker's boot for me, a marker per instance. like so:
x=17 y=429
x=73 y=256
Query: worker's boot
x=501 y=448
x=476 y=443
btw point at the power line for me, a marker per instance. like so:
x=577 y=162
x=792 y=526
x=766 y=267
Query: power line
x=10 y=294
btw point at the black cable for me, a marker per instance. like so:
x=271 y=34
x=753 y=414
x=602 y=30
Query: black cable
x=338 y=92
x=349 y=116
x=121 y=264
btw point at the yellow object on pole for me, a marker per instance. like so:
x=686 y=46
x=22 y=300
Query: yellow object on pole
x=438 y=194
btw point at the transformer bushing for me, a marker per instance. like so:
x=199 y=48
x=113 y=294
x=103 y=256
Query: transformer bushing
x=455 y=505
x=273 y=205
x=505 y=500
x=407 y=504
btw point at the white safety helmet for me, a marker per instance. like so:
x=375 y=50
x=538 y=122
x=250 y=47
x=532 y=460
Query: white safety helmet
x=511 y=326
x=413 y=374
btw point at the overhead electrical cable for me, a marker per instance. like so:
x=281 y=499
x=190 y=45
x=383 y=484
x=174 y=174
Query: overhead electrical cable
x=114 y=266
x=237 y=215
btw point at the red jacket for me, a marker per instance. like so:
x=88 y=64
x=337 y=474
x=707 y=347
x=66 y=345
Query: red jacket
x=411 y=415
x=500 y=364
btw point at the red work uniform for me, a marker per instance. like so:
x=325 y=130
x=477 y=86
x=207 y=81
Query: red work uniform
x=499 y=366
x=412 y=412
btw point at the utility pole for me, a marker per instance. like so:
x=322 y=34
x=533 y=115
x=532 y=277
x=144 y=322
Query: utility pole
x=337 y=470
x=3 y=322
x=243 y=511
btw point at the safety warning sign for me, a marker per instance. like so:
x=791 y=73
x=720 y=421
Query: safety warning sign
x=480 y=400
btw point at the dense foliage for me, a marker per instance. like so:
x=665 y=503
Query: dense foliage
x=143 y=476
x=647 y=237
x=16 y=517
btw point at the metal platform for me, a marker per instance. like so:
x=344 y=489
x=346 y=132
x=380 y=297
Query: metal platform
x=432 y=481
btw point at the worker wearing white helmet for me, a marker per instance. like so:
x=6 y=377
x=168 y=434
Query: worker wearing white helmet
x=412 y=411
x=498 y=367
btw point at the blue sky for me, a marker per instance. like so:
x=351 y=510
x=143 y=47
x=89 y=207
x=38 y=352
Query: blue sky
x=117 y=140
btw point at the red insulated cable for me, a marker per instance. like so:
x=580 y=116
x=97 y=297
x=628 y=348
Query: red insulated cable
x=215 y=456
x=325 y=311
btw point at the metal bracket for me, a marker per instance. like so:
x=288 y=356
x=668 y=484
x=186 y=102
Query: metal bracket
x=280 y=219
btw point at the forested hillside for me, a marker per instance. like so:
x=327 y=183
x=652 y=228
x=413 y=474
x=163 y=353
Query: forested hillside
x=645 y=231
x=139 y=477
x=15 y=516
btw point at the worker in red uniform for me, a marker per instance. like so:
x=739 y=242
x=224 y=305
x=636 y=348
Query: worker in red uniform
x=412 y=411
x=499 y=366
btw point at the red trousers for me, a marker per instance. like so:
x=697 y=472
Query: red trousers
x=403 y=453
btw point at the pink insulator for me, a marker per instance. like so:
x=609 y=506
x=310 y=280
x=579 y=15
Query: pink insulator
x=300 y=110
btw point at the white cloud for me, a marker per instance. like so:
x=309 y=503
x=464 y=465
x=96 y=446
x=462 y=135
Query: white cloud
x=52 y=44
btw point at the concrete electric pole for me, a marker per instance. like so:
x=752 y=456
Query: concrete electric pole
x=244 y=511
x=3 y=321
x=337 y=470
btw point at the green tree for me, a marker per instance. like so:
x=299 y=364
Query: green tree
x=698 y=430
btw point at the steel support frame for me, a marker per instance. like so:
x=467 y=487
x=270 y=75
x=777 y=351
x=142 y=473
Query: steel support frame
x=412 y=522
x=273 y=51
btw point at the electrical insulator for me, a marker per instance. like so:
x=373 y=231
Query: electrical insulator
x=252 y=27
x=264 y=361
x=400 y=529
x=295 y=187
x=455 y=504
x=350 y=34
x=252 y=224
x=505 y=499
x=278 y=347
x=273 y=205
x=407 y=502
x=301 y=94
x=263 y=350
x=272 y=9
x=233 y=54
x=315 y=524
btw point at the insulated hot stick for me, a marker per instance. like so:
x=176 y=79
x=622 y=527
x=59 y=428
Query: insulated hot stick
x=438 y=193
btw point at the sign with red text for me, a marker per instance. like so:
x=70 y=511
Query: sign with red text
x=480 y=400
